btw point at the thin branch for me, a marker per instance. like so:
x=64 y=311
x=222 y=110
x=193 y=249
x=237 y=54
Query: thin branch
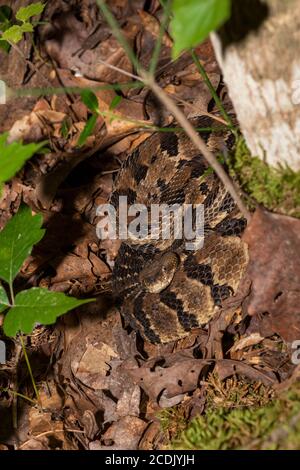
x=17 y=355
x=117 y=69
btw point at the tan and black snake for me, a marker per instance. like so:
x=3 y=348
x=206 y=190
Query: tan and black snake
x=164 y=290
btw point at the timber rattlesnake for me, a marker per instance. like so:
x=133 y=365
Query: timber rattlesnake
x=163 y=289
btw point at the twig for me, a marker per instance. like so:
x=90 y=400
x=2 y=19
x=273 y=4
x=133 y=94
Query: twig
x=49 y=433
x=117 y=69
x=17 y=394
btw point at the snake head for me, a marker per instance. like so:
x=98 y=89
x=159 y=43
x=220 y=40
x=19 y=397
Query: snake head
x=158 y=274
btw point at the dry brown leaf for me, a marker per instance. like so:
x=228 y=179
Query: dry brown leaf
x=41 y=443
x=246 y=341
x=124 y=434
x=152 y=25
x=178 y=379
x=227 y=367
x=274 y=270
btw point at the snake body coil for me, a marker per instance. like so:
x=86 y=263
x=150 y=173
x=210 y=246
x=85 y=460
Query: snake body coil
x=163 y=289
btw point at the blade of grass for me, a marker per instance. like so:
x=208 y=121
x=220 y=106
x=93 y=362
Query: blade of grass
x=17 y=394
x=30 y=370
x=157 y=47
x=118 y=33
x=213 y=93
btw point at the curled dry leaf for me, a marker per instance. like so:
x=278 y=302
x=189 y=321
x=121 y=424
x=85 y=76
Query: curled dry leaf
x=169 y=382
x=65 y=43
x=37 y=125
x=227 y=367
x=36 y=444
x=274 y=270
x=246 y=341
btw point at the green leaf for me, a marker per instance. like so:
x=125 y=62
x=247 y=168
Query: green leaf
x=24 y=13
x=115 y=101
x=90 y=100
x=17 y=238
x=193 y=20
x=88 y=129
x=27 y=28
x=64 y=129
x=4 y=45
x=13 y=34
x=13 y=156
x=4 y=302
x=5 y=14
x=37 y=306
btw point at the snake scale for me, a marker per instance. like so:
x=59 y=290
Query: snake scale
x=162 y=289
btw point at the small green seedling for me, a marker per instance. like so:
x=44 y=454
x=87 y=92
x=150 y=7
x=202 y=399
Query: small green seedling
x=36 y=305
x=13 y=33
x=13 y=156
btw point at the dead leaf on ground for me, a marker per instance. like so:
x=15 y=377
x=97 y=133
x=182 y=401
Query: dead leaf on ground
x=177 y=379
x=227 y=367
x=125 y=434
x=274 y=270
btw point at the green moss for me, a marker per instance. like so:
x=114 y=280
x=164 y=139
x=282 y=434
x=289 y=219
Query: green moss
x=275 y=425
x=172 y=422
x=277 y=189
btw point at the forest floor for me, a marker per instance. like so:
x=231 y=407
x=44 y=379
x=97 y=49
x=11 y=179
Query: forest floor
x=100 y=385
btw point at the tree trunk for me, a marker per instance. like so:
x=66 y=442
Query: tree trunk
x=258 y=50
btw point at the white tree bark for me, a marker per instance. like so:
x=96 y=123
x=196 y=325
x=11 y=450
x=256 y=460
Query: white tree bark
x=261 y=68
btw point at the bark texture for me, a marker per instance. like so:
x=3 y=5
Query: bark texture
x=258 y=50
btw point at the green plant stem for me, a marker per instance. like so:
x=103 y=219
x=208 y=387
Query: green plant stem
x=30 y=370
x=12 y=295
x=205 y=77
x=117 y=33
x=157 y=47
x=18 y=351
x=17 y=394
x=45 y=91
x=149 y=81
x=198 y=142
x=154 y=128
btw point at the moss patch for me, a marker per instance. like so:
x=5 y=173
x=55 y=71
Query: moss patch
x=277 y=189
x=275 y=425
